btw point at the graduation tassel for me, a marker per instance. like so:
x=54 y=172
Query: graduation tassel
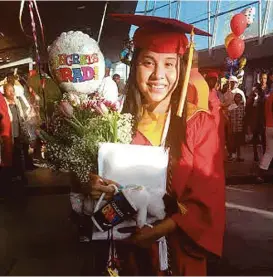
x=169 y=270
x=113 y=264
x=187 y=77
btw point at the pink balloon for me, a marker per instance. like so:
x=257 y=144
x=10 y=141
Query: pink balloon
x=236 y=48
x=238 y=24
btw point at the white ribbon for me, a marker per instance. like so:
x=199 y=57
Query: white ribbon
x=163 y=254
x=102 y=197
x=162 y=251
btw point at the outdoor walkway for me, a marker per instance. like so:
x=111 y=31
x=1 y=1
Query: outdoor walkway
x=245 y=172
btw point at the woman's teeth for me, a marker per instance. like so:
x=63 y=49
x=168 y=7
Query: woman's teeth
x=158 y=86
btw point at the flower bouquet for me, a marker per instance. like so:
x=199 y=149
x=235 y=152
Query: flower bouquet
x=79 y=125
x=91 y=135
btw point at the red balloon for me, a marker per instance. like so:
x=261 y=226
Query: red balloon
x=238 y=24
x=236 y=48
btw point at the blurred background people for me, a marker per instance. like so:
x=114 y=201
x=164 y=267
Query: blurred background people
x=19 y=91
x=120 y=84
x=268 y=155
x=15 y=137
x=5 y=134
x=255 y=114
x=236 y=129
x=233 y=87
x=214 y=102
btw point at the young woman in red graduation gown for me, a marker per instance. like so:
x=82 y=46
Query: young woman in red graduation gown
x=195 y=199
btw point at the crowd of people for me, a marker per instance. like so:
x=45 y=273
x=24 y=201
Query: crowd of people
x=246 y=119
x=19 y=118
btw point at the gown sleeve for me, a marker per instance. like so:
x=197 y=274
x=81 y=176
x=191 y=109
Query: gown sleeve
x=199 y=184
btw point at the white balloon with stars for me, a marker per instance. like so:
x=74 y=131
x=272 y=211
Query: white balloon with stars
x=249 y=14
x=76 y=62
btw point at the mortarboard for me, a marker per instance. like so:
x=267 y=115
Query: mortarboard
x=158 y=34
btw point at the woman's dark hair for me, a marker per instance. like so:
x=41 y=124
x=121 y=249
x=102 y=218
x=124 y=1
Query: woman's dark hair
x=134 y=101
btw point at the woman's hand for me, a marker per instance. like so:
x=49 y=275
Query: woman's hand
x=98 y=185
x=146 y=236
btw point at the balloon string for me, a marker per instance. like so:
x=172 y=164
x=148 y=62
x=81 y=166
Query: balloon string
x=40 y=21
x=34 y=33
x=33 y=6
x=20 y=17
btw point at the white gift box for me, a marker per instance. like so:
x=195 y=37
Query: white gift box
x=129 y=164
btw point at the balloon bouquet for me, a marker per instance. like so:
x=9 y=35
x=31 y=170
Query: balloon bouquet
x=235 y=44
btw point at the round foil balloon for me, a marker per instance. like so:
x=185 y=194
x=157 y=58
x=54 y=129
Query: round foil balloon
x=236 y=48
x=76 y=62
x=238 y=24
x=229 y=38
x=249 y=14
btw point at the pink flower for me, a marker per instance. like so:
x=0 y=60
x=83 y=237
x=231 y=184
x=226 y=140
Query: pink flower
x=98 y=108
x=66 y=109
x=103 y=107
x=111 y=105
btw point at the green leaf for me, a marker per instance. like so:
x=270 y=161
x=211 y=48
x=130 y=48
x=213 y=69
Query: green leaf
x=78 y=129
x=46 y=137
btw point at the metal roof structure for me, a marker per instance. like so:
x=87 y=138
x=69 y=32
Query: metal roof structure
x=214 y=16
x=58 y=17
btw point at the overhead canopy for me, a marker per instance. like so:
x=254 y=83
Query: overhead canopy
x=58 y=17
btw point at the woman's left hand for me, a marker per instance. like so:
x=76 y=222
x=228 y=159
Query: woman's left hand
x=146 y=236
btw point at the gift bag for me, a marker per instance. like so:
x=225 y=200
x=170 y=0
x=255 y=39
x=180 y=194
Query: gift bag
x=133 y=165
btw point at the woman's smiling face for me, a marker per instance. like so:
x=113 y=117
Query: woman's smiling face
x=156 y=75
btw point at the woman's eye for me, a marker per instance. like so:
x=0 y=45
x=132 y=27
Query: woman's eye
x=148 y=63
x=169 y=65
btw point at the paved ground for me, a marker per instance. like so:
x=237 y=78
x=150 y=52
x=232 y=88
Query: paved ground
x=248 y=245
x=37 y=237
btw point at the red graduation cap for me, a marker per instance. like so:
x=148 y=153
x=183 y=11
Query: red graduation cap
x=213 y=74
x=158 y=34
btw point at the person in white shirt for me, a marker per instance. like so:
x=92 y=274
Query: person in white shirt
x=233 y=85
x=108 y=88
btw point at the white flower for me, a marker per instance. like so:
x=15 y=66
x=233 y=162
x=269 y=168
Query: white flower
x=74 y=99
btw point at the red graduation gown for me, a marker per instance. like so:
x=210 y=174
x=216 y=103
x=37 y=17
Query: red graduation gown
x=198 y=183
